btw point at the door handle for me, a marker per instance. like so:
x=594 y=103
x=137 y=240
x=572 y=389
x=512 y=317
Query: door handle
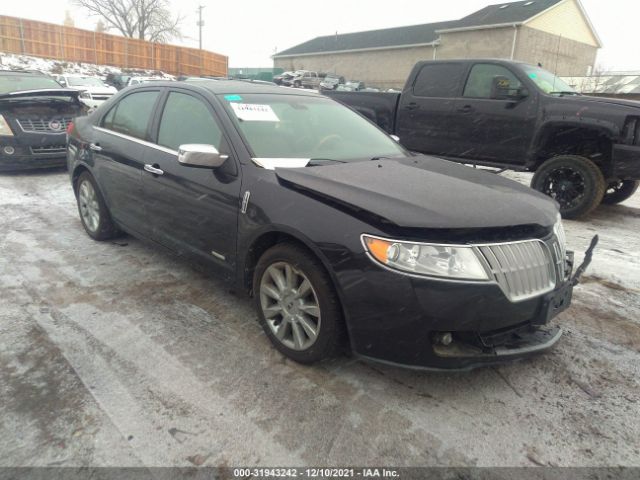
x=95 y=147
x=154 y=170
x=412 y=106
x=466 y=109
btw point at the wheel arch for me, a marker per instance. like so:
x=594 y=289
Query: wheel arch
x=592 y=140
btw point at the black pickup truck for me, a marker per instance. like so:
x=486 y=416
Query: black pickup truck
x=497 y=113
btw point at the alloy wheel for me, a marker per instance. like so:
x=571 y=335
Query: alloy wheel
x=290 y=306
x=566 y=186
x=89 y=207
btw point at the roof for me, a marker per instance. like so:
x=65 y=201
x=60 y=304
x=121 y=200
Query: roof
x=237 y=86
x=424 y=34
x=504 y=13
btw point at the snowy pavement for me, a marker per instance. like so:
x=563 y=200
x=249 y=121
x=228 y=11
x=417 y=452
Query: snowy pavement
x=116 y=354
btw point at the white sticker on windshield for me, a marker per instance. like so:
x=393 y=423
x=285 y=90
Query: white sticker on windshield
x=251 y=112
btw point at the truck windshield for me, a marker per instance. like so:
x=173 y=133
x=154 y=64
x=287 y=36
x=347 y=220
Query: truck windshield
x=547 y=81
x=305 y=127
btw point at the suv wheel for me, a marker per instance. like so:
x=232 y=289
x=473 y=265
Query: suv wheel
x=297 y=304
x=94 y=214
x=620 y=191
x=575 y=182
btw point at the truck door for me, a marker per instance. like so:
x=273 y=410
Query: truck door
x=490 y=128
x=425 y=111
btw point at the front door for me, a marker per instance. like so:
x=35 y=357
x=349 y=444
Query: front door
x=492 y=129
x=193 y=210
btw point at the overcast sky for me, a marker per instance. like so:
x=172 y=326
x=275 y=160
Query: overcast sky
x=250 y=31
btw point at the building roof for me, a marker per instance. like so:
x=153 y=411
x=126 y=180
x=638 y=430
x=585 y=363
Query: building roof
x=425 y=34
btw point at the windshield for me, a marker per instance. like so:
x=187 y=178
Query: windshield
x=300 y=127
x=547 y=81
x=16 y=83
x=85 y=81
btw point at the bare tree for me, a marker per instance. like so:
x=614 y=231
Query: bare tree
x=144 y=19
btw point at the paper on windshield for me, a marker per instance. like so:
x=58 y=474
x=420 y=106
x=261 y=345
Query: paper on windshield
x=251 y=112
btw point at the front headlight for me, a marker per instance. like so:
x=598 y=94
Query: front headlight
x=85 y=95
x=558 y=230
x=433 y=260
x=5 y=129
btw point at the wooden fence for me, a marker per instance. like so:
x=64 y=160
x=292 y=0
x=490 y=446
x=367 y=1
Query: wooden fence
x=40 y=39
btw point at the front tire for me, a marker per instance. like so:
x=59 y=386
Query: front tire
x=297 y=304
x=620 y=191
x=575 y=182
x=93 y=210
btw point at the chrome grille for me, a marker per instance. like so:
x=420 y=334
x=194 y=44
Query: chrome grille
x=44 y=125
x=522 y=269
x=49 y=149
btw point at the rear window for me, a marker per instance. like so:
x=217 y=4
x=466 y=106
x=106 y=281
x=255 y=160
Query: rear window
x=438 y=80
x=17 y=83
x=131 y=115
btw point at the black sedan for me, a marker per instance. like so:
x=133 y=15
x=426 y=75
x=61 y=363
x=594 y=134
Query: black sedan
x=34 y=114
x=341 y=235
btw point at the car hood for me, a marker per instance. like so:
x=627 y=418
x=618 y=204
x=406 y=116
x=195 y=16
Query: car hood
x=45 y=92
x=97 y=90
x=425 y=192
x=602 y=100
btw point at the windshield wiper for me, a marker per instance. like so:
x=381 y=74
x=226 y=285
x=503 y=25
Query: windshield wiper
x=316 y=162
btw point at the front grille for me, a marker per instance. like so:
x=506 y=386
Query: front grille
x=523 y=269
x=62 y=149
x=44 y=125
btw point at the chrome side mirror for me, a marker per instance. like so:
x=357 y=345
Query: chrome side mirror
x=200 y=156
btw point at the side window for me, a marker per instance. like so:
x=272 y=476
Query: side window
x=186 y=119
x=438 y=80
x=131 y=115
x=482 y=74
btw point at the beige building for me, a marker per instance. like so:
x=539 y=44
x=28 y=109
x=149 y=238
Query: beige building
x=554 y=33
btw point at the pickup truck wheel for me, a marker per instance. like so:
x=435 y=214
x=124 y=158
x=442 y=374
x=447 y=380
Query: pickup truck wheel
x=93 y=210
x=297 y=304
x=575 y=182
x=620 y=191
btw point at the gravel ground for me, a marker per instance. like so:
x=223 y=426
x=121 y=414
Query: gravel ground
x=117 y=354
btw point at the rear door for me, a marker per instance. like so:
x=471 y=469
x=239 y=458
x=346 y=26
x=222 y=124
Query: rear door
x=118 y=148
x=193 y=210
x=424 y=118
x=490 y=129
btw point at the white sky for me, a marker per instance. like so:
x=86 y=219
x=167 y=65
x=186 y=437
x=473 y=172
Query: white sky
x=250 y=31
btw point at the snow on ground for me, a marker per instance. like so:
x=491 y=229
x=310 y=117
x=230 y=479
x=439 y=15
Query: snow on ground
x=25 y=62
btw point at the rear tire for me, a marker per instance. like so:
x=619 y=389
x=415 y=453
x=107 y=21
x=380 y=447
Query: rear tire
x=575 y=182
x=94 y=214
x=620 y=191
x=297 y=305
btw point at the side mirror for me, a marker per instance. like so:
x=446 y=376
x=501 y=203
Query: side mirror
x=501 y=89
x=200 y=156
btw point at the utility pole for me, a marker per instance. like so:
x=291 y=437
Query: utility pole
x=200 y=23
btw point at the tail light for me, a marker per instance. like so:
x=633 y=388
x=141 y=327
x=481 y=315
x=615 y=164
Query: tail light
x=70 y=128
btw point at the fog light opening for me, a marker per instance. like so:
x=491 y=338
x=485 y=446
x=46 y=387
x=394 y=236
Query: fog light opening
x=9 y=150
x=443 y=338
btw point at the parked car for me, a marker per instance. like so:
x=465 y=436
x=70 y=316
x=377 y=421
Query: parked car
x=306 y=79
x=339 y=232
x=94 y=91
x=331 y=82
x=285 y=79
x=141 y=80
x=584 y=150
x=117 y=80
x=34 y=114
x=351 y=86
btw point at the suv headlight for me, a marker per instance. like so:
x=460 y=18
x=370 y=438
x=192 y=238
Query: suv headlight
x=558 y=230
x=85 y=95
x=427 y=259
x=5 y=129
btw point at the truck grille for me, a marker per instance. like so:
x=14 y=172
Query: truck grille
x=525 y=269
x=61 y=149
x=44 y=125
